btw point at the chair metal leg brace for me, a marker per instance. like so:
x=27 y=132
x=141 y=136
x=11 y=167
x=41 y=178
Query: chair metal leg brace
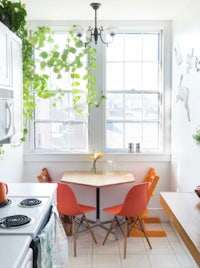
x=89 y=227
x=109 y=230
x=100 y=224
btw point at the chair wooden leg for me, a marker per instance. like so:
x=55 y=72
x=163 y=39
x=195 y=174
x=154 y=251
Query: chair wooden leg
x=88 y=226
x=143 y=230
x=67 y=224
x=109 y=230
x=125 y=237
x=74 y=235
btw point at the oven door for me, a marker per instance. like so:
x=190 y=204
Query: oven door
x=35 y=244
x=28 y=260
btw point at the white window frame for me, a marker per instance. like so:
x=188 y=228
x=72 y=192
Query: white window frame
x=97 y=127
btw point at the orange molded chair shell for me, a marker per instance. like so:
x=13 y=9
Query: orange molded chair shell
x=134 y=204
x=68 y=205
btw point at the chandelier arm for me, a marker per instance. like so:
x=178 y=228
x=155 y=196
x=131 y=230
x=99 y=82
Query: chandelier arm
x=104 y=42
x=90 y=40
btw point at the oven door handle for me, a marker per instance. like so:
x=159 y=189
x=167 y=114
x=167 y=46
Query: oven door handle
x=8 y=118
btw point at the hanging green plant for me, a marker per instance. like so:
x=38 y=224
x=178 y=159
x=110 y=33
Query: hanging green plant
x=13 y=15
x=35 y=78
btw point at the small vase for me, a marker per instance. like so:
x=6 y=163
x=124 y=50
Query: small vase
x=94 y=170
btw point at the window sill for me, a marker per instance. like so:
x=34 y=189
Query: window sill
x=121 y=157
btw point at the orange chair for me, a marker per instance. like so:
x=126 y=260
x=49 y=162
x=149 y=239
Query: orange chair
x=67 y=205
x=44 y=176
x=153 y=178
x=130 y=210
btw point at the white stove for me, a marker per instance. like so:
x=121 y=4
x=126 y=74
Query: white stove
x=24 y=208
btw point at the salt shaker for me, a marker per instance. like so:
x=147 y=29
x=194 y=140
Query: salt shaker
x=137 y=147
x=130 y=147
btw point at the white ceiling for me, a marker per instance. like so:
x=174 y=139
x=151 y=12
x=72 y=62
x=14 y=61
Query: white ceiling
x=110 y=9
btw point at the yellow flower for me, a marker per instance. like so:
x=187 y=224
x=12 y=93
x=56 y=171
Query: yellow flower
x=96 y=156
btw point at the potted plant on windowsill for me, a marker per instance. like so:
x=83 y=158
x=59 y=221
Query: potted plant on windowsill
x=196 y=137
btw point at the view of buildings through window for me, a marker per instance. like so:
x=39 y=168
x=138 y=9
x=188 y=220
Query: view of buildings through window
x=133 y=108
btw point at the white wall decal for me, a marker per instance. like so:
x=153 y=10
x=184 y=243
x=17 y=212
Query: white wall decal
x=183 y=95
x=190 y=60
x=178 y=54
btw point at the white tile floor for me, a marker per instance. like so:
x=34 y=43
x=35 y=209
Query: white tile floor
x=167 y=252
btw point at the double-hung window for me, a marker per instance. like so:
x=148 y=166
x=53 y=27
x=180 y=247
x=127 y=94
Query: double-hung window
x=134 y=91
x=131 y=74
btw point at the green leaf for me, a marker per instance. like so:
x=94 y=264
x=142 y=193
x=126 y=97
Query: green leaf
x=44 y=55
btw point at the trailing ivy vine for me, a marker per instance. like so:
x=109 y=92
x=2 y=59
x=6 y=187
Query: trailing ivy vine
x=37 y=82
x=35 y=78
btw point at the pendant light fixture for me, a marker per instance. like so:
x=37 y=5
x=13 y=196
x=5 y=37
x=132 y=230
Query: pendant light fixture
x=95 y=33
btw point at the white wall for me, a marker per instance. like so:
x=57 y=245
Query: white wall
x=185 y=153
x=11 y=164
x=138 y=164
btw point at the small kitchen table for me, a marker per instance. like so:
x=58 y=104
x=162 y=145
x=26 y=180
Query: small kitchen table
x=98 y=180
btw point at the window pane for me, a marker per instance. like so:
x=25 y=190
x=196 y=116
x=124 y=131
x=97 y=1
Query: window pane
x=42 y=110
x=150 y=76
x=60 y=111
x=70 y=136
x=133 y=76
x=115 y=50
x=61 y=135
x=133 y=47
x=114 y=104
x=62 y=83
x=42 y=135
x=150 y=47
x=150 y=136
x=151 y=106
x=114 y=76
x=133 y=107
x=133 y=133
x=63 y=109
x=114 y=136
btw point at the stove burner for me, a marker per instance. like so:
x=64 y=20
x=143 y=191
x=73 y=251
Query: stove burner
x=14 y=221
x=30 y=202
x=6 y=203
